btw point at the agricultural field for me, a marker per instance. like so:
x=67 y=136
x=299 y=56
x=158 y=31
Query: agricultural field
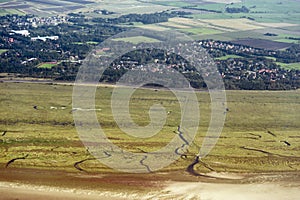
x=47 y=65
x=45 y=7
x=230 y=29
x=261 y=11
x=264 y=17
x=287 y=40
x=260 y=132
x=154 y=27
x=289 y=66
x=263 y=44
x=3 y=51
x=137 y=39
x=228 y=57
x=11 y=12
x=209 y=19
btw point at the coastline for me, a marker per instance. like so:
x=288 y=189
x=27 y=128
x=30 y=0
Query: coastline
x=36 y=184
x=172 y=190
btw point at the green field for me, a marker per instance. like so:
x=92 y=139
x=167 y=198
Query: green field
x=288 y=41
x=36 y=120
x=178 y=4
x=47 y=65
x=202 y=31
x=120 y=7
x=264 y=16
x=289 y=66
x=4 y=12
x=227 y=57
x=3 y=51
x=137 y=39
x=261 y=11
x=93 y=42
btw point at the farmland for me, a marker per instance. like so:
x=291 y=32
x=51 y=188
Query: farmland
x=228 y=57
x=289 y=66
x=3 y=51
x=11 y=12
x=263 y=44
x=137 y=39
x=208 y=20
x=45 y=7
x=47 y=65
x=220 y=25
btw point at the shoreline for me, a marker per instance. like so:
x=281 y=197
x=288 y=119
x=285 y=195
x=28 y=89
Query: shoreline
x=259 y=187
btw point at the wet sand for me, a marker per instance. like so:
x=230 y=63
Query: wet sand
x=174 y=190
x=30 y=184
x=217 y=191
x=13 y=191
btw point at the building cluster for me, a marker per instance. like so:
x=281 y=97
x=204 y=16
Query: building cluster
x=24 y=23
x=26 y=33
x=239 y=69
x=44 y=38
x=53 y=20
x=34 y=21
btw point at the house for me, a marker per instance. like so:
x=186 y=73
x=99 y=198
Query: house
x=44 y=38
x=22 y=32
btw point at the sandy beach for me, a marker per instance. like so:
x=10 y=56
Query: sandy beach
x=221 y=186
x=174 y=190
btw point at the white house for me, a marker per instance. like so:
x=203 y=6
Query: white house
x=22 y=32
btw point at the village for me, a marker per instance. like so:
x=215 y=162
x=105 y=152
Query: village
x=59 y=55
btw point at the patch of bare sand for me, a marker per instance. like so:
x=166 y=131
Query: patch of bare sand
x=18 y=191
x=219 y=186
x=223 y=175
x=218 y=191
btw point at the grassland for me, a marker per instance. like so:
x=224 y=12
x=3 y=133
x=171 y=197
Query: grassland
x=286 y=40
x=190 y=26
x=61 y=6
x=224 y=28
x=289 y=66
x=155 y=27
x=228 y=57
x=36 y=120
x=47 y=65
x=263 y=17
x=10 y=12
x=261 y=11
x=131 y=6
x=3 y=51
x=137 y=39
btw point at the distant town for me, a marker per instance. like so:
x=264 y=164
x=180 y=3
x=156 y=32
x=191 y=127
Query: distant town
x=54 y=47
